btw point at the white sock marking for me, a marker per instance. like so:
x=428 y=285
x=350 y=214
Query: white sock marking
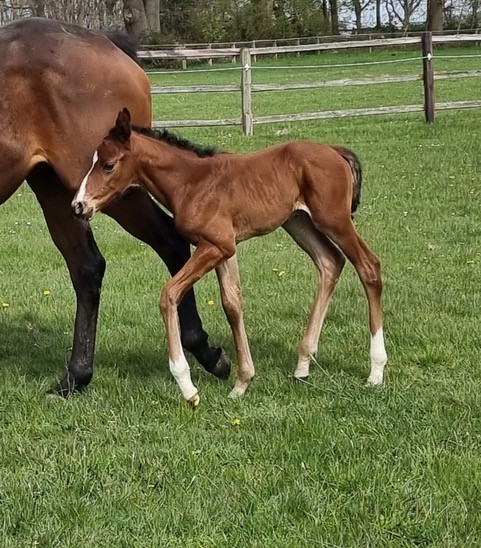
x=181 y=373
x=83 y=185
x=378 y=358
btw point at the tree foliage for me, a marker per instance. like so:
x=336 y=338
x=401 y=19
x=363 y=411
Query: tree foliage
x=187 y=21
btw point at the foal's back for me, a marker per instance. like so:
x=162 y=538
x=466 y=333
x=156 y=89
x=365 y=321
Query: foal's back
x=260 y=191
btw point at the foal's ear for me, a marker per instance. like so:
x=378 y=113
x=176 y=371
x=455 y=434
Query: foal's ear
x=123 y=128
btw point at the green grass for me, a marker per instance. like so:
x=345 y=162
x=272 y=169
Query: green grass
x=330 y=463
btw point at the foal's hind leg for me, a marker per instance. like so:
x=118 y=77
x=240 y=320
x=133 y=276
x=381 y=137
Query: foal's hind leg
x=140 y=215
x=329 y=262
x=86 y=266
x=228 y=275
x=344 y=234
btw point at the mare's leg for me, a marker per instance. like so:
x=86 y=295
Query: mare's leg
x=342 y=232
x=12 y=173
x=86 y=265
x=144 y=219
x=204 y=259
x=228 y=275
x=329 y=262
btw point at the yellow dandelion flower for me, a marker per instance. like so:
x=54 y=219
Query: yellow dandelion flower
x=282 y=273
x=5 y=305
x=236 y=422
x=46 y=293
x=210 y=302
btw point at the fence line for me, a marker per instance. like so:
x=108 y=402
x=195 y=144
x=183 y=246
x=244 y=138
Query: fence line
x=166 y=90
x=308 y=39
x=183 y=54
x=322 y=115
x=246 y=87
x=291 y=67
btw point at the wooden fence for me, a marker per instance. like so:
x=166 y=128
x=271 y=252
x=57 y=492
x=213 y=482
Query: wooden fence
x=247 y=88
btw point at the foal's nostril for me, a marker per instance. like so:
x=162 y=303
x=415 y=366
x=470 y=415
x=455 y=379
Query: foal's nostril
x=78 y=208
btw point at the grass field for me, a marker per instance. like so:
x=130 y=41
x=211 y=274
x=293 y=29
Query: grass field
x=329 y=463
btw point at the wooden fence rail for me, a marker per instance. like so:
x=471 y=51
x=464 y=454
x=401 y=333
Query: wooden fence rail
x=179 y=53
x=246 y=87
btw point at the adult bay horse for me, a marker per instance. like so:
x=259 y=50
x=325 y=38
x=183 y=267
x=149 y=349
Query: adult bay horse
x=60 y=88
x=308 y=188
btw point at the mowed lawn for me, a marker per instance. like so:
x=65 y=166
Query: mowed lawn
x=328 y=463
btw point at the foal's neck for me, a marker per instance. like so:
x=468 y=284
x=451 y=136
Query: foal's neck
x=167 y=171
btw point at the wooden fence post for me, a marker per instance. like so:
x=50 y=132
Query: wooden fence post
x=246 y=92
x=428 y=76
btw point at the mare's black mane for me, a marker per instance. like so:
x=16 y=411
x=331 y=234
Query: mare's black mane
x=170 y=138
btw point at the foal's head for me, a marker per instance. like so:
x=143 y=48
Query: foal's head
x=113 y=170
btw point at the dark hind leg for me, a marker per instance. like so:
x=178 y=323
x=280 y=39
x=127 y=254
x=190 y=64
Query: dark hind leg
x=86 y=266
x=144 y=219
x=12 y=174
x=329 y=262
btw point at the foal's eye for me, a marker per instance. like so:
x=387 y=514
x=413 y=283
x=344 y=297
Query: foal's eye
x=109 y=166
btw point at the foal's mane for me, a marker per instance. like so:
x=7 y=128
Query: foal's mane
x=172 y=139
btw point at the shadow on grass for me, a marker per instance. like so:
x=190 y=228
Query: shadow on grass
x=41 y=351
x=38 y=350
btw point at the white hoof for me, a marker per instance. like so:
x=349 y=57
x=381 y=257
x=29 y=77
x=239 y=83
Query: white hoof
x=302 y=370
x=239 y=390
x=374 y=380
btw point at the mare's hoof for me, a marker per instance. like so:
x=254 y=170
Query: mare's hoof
x=53 y=395
x=59 y=391
x=194 y=400
x=68 y=386
x=222 y=367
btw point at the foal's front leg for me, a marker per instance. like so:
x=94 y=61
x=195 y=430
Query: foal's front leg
x=228 y=275
x=204 y=259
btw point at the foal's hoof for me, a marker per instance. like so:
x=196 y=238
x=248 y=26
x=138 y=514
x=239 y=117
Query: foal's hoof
x=300 y=379
x=373 y=382
x=222 y=367
x=194 y=400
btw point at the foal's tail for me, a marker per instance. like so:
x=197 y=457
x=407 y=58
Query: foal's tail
x=356 y=169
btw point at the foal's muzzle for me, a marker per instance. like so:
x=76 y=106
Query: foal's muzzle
x=82 y=210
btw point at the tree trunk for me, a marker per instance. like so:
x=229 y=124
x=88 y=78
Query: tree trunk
x=435 y=15
x=378 y=14
x=152 y=10
x=358 y=14
x=39 y=8
x=474 y=14
x=268 y=7
x=135 y=19
x=334 y=16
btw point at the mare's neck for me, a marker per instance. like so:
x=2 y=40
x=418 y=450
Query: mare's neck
x=166 y=171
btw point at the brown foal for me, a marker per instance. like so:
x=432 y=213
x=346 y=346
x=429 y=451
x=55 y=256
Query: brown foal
x=309 y=189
